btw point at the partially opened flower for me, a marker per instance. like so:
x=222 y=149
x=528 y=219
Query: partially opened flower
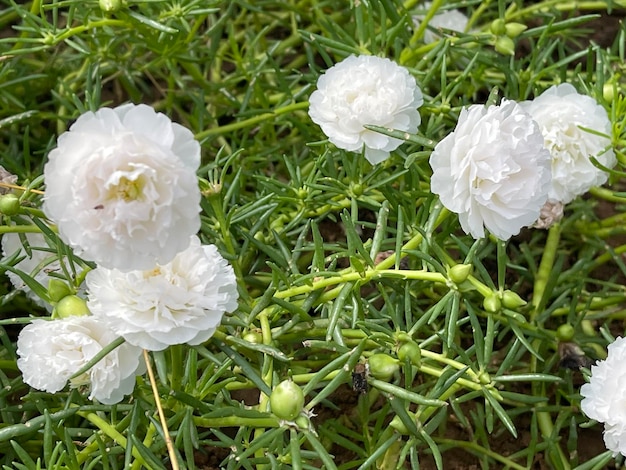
x=492 y=170
x=449 y=19
x=363 y=90
x=179 y=302
x=122 y=188
x=604 y=396
x=50 y=352
x=575 y=127
x=40 y=262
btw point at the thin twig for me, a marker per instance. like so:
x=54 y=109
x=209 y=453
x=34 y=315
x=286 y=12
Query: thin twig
x=166 y=433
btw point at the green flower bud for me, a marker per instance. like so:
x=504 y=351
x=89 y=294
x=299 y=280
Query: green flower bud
x=492 y=303
x=588 y=328
x=397 y=424
x=57 y=289
x=515 y=29
x=498 y=27
x=412 y=351
x=484 y=378
x=287 y=400
x=110 y=6
x=382 y=366
x=511 y=300
x=459 y=272
x=505 y=45
x=71 y=305
x=565 y=332
x=608 y=92
x=303 y=423
x=9 y=204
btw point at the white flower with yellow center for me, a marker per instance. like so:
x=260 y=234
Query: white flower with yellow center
x=122 y=188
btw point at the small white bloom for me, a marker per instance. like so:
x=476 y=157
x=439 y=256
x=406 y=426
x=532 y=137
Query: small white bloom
x=50 y=352
x=493 y=170
x=179 y=302
x=561 y=113
x=122 y=188
x=41 y=262
x=366 y=90
x=451 y=19
x=604 y=396
x=6 y=178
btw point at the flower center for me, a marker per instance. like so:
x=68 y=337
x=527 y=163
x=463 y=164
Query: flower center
x=127 y=189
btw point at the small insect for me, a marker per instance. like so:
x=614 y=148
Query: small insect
x=99 y=206
x=359 y=378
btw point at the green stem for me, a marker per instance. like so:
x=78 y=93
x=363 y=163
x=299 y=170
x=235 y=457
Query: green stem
x=253 y=120
x=478 y=450
x=545 y=268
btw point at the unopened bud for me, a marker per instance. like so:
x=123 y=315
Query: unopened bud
x=71 y=305
x=382 y=366
x=511 y=300
x=515 y=29
x=459 y=272
x=498 y=27
x=110 y=6
x=505 y=45
x=9 y=204
x=492 y=303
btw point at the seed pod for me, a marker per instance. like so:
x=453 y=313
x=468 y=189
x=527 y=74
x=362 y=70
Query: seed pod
x=9 y=204
x=382 y=366
x=287 y=400
x=412 y=351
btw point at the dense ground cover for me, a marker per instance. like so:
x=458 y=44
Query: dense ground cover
x=476 y=348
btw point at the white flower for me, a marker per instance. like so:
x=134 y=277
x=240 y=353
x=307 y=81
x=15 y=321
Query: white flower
x=50 y=352
x=41 y=262
x=562 y=113
x=605 y=395
x=366 y=90
x=121 y=186
x=451 y=19
x=179 y=302
x=493 y=170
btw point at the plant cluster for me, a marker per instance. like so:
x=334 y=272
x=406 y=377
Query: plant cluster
x=365 y=234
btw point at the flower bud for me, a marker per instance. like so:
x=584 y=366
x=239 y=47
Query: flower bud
x=110 y=6
x=411 y=351
x=608 y=92
x=498 y=27
x=588 y=328
x=505 y=45
x=397 y=424
x=484 y=378
x=515 y=29
x=492 y=303
x=287 y=400
x=511 y=300
x=57 y=289
x=382 y=366
x=71 y=305
x=565 y=332
x=459 y=272
x=9 y=204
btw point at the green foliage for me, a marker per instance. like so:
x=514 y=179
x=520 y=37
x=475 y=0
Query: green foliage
x=337 y=261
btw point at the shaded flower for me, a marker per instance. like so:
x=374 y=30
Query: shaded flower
x=492 y=170
x=363 y=90
x=122 y=188
x=604 y=396
x=563 y=115
x=450 y=19
x=179 y=302
x=50 y=352
x=551 y=213
x=40 y=263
